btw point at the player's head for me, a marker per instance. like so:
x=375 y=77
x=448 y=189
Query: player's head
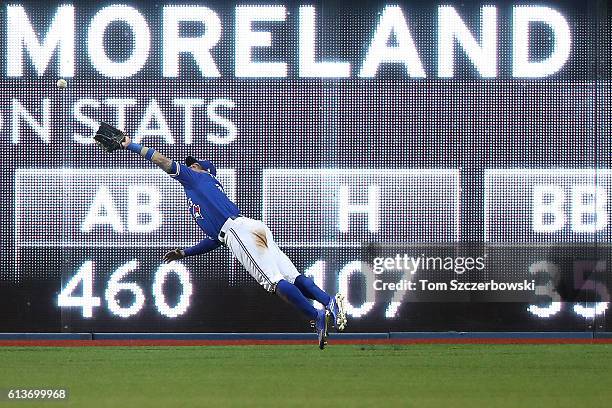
x=201 y=165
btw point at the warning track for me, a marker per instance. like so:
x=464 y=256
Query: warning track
x=248 y=342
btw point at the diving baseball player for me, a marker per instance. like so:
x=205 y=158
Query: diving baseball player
x=250 y=241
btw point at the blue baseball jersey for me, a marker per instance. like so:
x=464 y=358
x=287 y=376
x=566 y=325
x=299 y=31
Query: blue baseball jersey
x=208 y=204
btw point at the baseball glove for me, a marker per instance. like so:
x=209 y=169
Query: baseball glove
x=109 y=138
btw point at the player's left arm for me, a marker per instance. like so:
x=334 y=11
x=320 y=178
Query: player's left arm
x=206 y=245
x=155 y=157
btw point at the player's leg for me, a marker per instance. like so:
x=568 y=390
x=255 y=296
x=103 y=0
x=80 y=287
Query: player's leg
x=335 y=305
x=303 y=283
x=291 y=274
x=247 y=241
x=291 y=294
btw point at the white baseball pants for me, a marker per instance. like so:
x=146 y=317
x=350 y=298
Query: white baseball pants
x=252 y=244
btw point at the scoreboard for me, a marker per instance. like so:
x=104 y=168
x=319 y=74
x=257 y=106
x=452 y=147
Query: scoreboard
x=445 y=165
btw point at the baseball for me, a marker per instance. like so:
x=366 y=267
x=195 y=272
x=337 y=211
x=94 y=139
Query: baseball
x=61 y=83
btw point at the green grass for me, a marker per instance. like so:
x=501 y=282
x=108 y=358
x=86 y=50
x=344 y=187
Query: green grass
x=340 y=376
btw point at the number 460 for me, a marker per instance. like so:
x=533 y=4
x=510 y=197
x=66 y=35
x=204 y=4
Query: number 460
x=87 y=301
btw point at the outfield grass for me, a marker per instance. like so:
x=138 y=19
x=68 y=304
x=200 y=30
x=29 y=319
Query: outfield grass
x=340 y=376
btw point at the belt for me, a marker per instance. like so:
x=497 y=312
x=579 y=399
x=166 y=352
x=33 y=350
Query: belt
x=222 y=233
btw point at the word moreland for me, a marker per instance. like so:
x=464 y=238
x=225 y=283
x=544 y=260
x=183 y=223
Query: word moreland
x=391 y=41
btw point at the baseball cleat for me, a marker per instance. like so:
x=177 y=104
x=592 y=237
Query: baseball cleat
x=321 y=326
x=337 y=308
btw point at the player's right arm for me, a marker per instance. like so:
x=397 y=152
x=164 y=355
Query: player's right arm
x=155 y=157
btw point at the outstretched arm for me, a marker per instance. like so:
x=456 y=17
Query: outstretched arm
x=164 y=163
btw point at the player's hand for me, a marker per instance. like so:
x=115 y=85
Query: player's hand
x=174 y=255
x=126 y=141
